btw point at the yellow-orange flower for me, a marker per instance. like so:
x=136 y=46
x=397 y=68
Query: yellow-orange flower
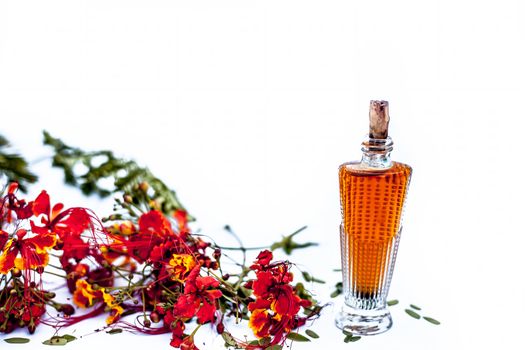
x=116 y=309
x=180 y=266
x=84 y=295
x=27 y=252
x=260 y=322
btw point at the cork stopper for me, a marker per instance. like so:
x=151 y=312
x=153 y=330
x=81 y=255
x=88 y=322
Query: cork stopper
x=379 y=119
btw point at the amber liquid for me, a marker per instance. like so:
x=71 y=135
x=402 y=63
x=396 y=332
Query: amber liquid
x=372 y=205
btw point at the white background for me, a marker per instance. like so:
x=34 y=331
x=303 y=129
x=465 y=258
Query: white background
x=247 y=108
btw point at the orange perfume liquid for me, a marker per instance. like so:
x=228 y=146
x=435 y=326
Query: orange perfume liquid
x=371 y=204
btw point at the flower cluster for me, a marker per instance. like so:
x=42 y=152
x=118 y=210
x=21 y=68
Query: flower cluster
x=28 y=232
x=140 y=261
x=276 y=307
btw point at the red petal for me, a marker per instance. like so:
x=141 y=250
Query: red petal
x=206 y=313
x=41 y=204
x=72 y=222
x=3 y=238
x=40 y=243
x=286 y=303
x=57 y=208
x=205 y=282
x=12 y=187
x=155 y=222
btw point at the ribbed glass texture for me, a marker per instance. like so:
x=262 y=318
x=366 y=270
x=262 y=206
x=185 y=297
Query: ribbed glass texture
x=372 y=203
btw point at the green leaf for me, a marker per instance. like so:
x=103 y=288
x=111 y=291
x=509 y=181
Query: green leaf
x=351 y=339
x=104 y=167
x=16 y=340
x=312 y=334
x=297 y=337
x=392 y=302
x=14 y=167
x=413 y=314
x=114 y=331
x=415 y=307
x=431 y=320
x=56 y=341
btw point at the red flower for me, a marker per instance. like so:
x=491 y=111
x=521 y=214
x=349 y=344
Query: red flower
x=68 y=225
x=199 y=298
x=153 y=241
x=11 y=204
x=71 y=222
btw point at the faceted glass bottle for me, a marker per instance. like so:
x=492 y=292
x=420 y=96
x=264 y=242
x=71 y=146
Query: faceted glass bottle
x=373 y=195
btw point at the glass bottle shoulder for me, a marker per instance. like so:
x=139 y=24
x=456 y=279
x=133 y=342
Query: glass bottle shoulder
x=357 y=168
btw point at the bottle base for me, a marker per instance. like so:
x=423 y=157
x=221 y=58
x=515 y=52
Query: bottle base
x=363 y=322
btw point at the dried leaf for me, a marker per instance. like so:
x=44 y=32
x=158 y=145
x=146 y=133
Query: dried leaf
x=431 y=320
x=413 y=314
x=297 y=337
x=114 y=331
x=69 y=337
x=347 y=333
x=16 y=340
x=415 y=307
x=312 y=334
x=335 y=294
x=56 y=341
x=229 y=339
x=351 y=339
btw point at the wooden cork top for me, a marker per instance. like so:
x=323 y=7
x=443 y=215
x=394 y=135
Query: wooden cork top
x=379 y=119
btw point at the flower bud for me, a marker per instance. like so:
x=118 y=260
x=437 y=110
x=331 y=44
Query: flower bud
x=67 y=309
x=128 y=199
x=154 y=317
x=147 y=323
x=144 y=186
x=220 y=328
x=16 y=272
x=31 y=327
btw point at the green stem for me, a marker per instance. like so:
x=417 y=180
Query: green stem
x=244 y=248
x=55 y=274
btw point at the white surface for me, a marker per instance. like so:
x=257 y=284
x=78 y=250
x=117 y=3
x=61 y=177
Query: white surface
x=247 y=108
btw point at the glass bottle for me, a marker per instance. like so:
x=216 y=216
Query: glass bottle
x=372 y=194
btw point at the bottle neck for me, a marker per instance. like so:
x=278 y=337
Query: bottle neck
x=376 y=153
